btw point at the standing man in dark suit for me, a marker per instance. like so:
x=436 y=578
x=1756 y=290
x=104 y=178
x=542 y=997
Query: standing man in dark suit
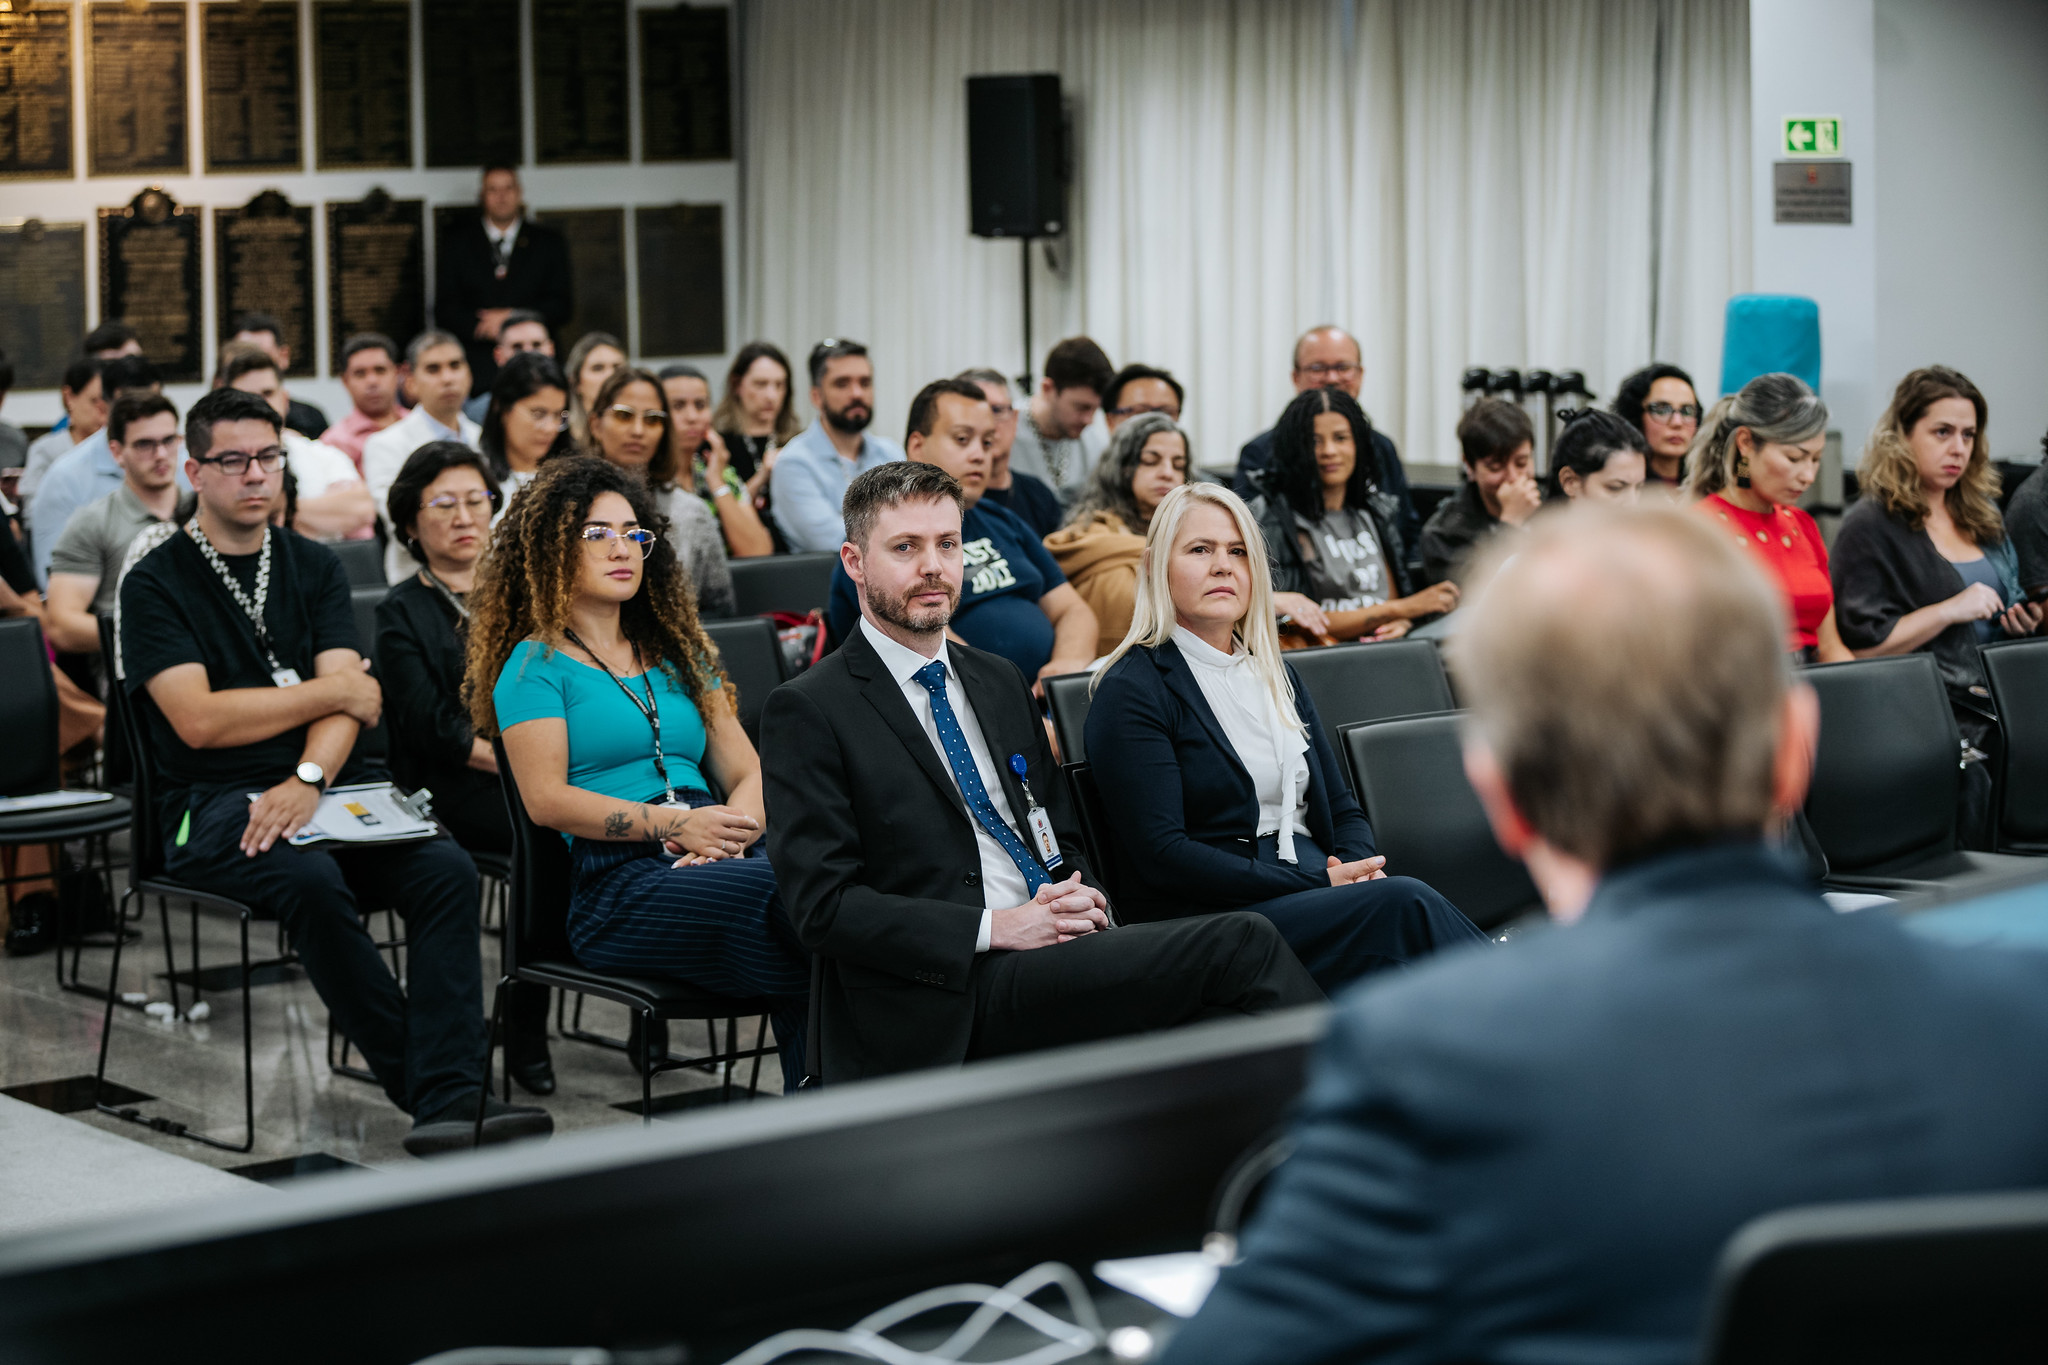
x=923 y=844
x=494 y=263
x=1538 y=1154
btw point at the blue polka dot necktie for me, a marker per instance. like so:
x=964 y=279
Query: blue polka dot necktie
x=954 y=742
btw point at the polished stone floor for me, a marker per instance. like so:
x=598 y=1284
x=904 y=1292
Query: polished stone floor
x=307 y=1117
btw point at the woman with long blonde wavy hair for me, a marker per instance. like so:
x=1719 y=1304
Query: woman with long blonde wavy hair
x=1229 y=792
x=586 y=657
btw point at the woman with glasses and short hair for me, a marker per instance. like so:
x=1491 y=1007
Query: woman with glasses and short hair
x=1660 y=401
x=630 y=428
x=527 y=421
x=587 y=656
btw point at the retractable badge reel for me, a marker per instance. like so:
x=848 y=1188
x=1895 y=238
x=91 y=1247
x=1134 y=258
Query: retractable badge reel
x=1035 y=816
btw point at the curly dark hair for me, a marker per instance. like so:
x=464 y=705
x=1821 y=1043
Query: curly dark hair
x=1635 y=391
x=526 y=584
x=1294 y=451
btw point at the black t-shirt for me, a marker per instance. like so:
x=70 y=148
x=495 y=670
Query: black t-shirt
x=1034 y=503
x=175 y=610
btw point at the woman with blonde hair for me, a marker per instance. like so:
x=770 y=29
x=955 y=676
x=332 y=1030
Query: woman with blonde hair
x=1229 y=792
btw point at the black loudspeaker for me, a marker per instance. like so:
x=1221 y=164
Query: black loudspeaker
x=1016 y=184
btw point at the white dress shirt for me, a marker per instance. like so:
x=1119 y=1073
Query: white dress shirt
x=503 y=237
x=1002 y=883
x=1272 y=752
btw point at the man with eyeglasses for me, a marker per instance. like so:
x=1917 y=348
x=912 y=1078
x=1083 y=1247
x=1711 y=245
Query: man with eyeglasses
x=1139 y=389
x=1058 y=439
x=1035 y=504
x=86 y=472
x=239 y=650
x=812 y=472
x=440 y=379
x=1327 y=356
x=85 y=563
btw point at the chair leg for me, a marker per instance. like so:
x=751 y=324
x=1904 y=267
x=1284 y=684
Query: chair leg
x=483 y=1093
x=646 y=1074
x=163 y=910
x=107 y=1019
x=760 y=1036
x=248 y=1045
x=732 y=1044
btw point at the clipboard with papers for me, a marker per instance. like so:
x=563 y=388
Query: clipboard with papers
x=368 y=813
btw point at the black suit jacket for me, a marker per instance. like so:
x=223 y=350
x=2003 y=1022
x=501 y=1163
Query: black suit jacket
x=466 y=280
x=875 y=855
x=1189 y=816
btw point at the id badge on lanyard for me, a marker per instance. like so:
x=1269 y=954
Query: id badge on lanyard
x=285 y=677
x=1046 y=842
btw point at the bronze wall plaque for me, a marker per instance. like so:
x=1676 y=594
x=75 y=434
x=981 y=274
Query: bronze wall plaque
x=685 y=85
x=42 y=299
x=35 y=91
x=263 y=263
x=597 y=261
x=149 y=279
x=473 y=85
x=362 y=76
x=135 y=115
x=249 y=64
x=682 y=279
x=376 y=268
x=579 y=80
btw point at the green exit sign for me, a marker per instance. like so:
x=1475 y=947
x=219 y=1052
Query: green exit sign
x=1813 y=137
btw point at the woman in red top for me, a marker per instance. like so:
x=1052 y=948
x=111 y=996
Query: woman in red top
x=1757 y=453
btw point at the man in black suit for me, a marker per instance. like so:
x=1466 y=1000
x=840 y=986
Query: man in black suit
x=1538 y=1154
x=496 y=262
x=922 y=840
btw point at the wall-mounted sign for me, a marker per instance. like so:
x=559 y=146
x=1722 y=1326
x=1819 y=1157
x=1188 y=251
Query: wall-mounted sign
x=1810 y=191
x=1813 y=137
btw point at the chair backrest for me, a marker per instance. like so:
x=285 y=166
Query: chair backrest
x=537 y=901
x=374 y=744
x=1353 y=683
x=752 y=657
x=1067 y=694
x=1948 y=1278
x=1426 y=819
x=29 y=762
x=362 y=561
x=797 y=583
x=1886 y=776
x=2018 y=670
x=146 y=844
x=1096 y=842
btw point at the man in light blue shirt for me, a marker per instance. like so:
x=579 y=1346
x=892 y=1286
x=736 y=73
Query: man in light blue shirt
x=87 y=472
x=812 y=471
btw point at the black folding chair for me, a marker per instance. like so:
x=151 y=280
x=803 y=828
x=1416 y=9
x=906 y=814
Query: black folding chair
x=362 y=561
x=1361 y=682
x=1410 y=777
x=797 y=583
x=373 y=745
x=537 y=950
x=752 y=657
x=2018 y=671
x=1955 y=1277
x=30 y=766
x=1096 y=840
x=1886 y=779
x=1067 y=695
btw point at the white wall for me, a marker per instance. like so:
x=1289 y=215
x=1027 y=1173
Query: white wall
x=1962 y=214
x=79 y=199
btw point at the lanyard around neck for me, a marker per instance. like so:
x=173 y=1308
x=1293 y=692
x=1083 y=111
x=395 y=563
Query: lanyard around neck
x=253 y=609
x=650 y=709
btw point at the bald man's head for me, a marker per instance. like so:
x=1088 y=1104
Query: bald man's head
x=1627 y=673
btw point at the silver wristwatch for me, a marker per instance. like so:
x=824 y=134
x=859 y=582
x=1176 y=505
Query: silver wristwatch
x=312 y=774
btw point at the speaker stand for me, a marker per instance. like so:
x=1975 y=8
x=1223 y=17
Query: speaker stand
x=1024 y=378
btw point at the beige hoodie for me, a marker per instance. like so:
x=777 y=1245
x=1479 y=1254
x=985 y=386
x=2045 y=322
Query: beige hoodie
x=1100 y=558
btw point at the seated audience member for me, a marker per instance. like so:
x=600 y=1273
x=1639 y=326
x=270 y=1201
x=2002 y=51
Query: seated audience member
x=1540 y=1154
x=612 y=710
x=756 y=417
x=1597 y=458
x=266 y=334
x=1660 y=401
x=1332 y=528
x=369 y=368
x=1758 y=452
x=1099 y=550
x=1265 y=820
x=86 y=472
x=522 y=331
x=1497 y=445
x=1056 y=440
x=439 y=374
x=629 y=428
x=705 y=464
x=1922 y=561
x=1033 y=503
x=13 y=441
x=814 y=468
x=333 y=503
x=591 y=361
x=442 y=503
x=111 y=341
x=527 y=422
x=1327 y=356
x=240 y=650
x=1014 y=601
x=1141 y=389
x=85 y=412
x=2026 y=521
x=931 y=860
x=85 y=563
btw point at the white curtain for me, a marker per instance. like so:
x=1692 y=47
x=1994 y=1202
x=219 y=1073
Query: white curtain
x=1457 y=183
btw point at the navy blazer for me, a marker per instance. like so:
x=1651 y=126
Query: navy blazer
x=1537 y=1154
x=1188 y=816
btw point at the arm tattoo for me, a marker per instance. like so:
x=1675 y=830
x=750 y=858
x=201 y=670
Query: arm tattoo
x=617 y=825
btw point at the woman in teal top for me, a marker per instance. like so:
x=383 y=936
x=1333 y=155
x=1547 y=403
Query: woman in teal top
x=586 y=655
